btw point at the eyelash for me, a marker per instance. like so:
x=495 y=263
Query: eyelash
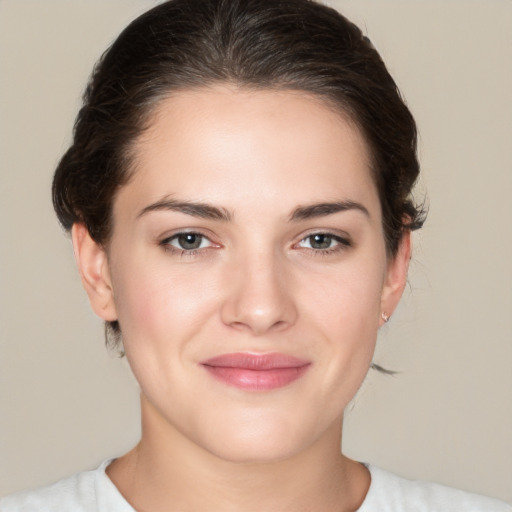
x=166 y=244
x=342 y=244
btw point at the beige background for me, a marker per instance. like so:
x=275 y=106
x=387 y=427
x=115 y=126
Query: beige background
x=65 y=404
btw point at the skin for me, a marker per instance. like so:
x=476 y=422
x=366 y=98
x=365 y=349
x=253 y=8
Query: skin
x=257 y=283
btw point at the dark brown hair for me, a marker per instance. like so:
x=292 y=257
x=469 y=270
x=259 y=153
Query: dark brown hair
x=277 y=44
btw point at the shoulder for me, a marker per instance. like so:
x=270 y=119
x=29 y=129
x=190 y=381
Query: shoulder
x=74 y=493
x=391 y=493
x=89 y=491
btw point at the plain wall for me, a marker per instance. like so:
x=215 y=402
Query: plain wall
x=66 y=404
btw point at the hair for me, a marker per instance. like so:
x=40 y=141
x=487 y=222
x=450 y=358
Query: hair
x=256 y=44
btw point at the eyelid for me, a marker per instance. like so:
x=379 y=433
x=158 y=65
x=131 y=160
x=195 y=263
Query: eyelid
x=168 y=235
x=164 y=241
x=337 y=234
x=343 y=239
x=177 y=237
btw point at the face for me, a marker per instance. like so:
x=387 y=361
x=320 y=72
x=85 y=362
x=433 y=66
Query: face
x=248 y=270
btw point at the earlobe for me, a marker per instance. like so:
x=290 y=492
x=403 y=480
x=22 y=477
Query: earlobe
x=396 y=277
x=92 y=264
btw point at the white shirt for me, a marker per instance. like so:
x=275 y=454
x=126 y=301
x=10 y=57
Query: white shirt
x=93 y=491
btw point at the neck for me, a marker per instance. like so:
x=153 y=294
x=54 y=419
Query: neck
x=167 y=471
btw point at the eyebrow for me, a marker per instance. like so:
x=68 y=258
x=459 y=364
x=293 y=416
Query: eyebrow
x=323 y=209
x=203 y=210
x=208 y=211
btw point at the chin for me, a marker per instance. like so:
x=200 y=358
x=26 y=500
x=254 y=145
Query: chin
x=256 y=451
x=259 y=440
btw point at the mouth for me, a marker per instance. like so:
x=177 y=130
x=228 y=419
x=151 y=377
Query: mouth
x=256 y=372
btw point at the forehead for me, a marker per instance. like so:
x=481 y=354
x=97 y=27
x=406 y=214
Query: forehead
x=248 y=147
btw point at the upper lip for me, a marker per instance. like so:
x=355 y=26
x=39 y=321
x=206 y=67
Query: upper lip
x=251 y=361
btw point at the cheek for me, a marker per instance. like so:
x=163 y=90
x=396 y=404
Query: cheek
x=162 y=313
x=348 y=298
x=157 y=304
x=344 y=312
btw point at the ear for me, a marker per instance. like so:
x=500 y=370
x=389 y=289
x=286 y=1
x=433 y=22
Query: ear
x=92 y=263
x=396 y=277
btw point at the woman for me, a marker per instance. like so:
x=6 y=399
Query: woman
x=238 y=192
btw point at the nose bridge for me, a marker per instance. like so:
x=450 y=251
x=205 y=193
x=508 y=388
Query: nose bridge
x=260 y=297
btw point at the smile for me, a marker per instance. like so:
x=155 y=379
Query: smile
x=256 y=372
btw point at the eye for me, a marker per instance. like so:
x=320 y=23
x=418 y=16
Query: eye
x=187 y=241
x=324 y=242
x=318 y=241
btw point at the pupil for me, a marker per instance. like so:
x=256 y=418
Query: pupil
x=190 y=241
x=320 y=241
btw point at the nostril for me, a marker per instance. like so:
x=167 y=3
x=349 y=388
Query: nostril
x=280 y=325
x=259 y=325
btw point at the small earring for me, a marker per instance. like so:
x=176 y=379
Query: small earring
x=384 y=317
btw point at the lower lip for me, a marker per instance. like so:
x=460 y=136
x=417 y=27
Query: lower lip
x=257 y=380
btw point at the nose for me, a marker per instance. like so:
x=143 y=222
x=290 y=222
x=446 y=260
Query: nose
x=260 y=296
